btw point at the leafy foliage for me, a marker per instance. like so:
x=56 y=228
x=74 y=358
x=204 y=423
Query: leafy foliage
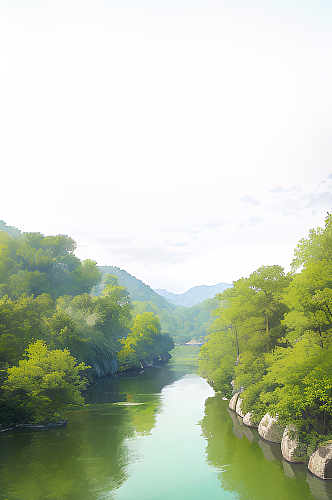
x=272 y=338
x=31 y=263
x=137 y=289
x=145 y=344
x=247 y=324
x=46 y=309
x=41 y=386
x=183 y=324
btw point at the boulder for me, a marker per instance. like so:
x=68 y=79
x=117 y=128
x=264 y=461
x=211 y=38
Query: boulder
x=238 y=407
x=249 y=420
x=270 y=430
x=232 y=403
x=320 y=462
x=292 y=450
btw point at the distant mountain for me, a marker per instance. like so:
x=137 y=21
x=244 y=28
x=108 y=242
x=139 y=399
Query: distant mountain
x=136 y=288
x=193 y=296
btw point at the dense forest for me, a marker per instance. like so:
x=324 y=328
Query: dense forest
x=272 y=339
x=64 y=323
x=182 y=323
x=55 y=336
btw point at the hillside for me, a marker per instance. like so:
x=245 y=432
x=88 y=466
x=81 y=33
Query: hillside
x=185 y=316
x=195 y=295
x=136 y=288
x=184 y=323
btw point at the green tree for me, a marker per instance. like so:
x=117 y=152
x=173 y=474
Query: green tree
x=247 y=324
x=145 y=344
x=41 y=386
x=21 y=321
x=309 y=295
x=33 y=264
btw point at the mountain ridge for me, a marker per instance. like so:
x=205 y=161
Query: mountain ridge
x=194 y=295
x=137 y=289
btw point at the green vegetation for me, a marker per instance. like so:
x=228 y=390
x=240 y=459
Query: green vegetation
x=272 y=338
x=42 y=386
x=136 y=288
x=46 y=305
x=34 y=264
x=185 y=357
x=183 y=324
x=145 y=344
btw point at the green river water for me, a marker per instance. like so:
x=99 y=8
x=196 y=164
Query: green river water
x=163 y=435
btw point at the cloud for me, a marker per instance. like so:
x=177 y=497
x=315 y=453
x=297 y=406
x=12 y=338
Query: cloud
x=255 y=219
x=147 y=255
x=113 y=241
x=249 y=199
x=279 y=189
x=214 y=224
x=182 y=244
x=320 y=199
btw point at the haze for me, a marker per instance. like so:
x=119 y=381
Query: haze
x=186 y=142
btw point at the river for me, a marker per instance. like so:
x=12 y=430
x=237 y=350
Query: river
x=163 y=435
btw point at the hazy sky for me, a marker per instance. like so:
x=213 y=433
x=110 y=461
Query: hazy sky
x=187 y=142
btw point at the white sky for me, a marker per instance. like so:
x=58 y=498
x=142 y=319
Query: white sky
x=187 y=142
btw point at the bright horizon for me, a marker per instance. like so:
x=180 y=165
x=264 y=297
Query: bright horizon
x=188 y=143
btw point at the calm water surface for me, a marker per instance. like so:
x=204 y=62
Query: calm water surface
x=161 y=436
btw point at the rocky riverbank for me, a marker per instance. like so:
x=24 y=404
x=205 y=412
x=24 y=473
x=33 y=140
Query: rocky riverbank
x=292 y=450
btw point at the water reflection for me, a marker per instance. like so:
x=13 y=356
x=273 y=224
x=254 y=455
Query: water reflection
x=68 y=463
x=90 y=458
x=171 y=461
x=139 y=431
x=251 y=466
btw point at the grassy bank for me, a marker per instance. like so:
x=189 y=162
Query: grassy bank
x=185 y=355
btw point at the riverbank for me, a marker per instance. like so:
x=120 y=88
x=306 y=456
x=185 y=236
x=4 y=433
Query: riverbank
x=155 y=431
x=294 y=451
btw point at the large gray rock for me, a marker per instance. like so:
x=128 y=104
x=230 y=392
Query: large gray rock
x=232 y=403
x=292 y=450
x=320 y=462
x=270 y=430
x=238 y=407
x=249 y=420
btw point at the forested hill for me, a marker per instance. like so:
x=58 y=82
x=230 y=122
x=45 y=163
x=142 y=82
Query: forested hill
x=195 y=295
x=52 y=328
x=182 y=323
x=272 y=340
x=136 y=288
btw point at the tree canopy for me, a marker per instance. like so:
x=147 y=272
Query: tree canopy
x=48 y=311
x=32 y=263
x=145 y=344
x=272 y=340
x=41 y=386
